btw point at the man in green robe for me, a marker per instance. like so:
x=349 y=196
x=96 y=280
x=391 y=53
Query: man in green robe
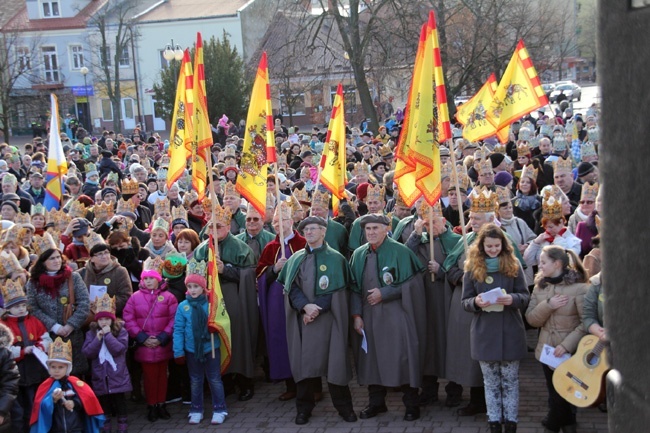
x=236 y=265
x=388 y=308
x=255 y=236
x=375 y=200
x=231 y=201
x=336 y=235
x=317 y=321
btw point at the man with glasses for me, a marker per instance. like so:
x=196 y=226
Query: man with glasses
x=255 y=236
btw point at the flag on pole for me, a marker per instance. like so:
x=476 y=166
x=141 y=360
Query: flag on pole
x=180 y=146
x=519 y=92
x=218 y=318
x=259 y=141
x=333 y=161
x=444 y=125
x=57 y=166
x=472 y=113
x=202 y=143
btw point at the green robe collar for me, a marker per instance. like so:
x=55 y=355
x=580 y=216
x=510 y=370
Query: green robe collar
x=331 y=269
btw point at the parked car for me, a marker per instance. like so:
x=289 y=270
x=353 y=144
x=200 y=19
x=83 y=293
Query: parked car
x=461 y=99
x=548 y=88
x=572 y=92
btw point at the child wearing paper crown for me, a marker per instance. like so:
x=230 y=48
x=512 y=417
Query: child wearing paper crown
x=105 y=346
x=192 y=345
x=29 y=333
x=65 y=403
x=149 y=317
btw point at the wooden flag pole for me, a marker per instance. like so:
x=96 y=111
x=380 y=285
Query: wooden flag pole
x=459 y=198
x=279 y=202
x=320 y=170
x=431 y=249
x=213 y=205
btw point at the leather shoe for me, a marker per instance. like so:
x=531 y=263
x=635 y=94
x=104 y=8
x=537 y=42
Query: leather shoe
x=318 y=396
x=349 y=417
x=372 y=411
x=453 y=400
x=471 y=409
x=302 y=418
x=162 y=412
x=246 y=394
x=426 y=400
x=289 y=395
x=412 y=413
x=152 y=414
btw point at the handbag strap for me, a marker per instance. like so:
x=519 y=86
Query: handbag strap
x=71 y=299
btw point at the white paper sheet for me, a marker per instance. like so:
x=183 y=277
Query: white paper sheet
x=491 y=296
x=550 y=359
x=96 y=292
x=364 y=342
x=40 y=355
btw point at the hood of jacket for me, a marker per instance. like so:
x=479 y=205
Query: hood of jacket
x=6 y=337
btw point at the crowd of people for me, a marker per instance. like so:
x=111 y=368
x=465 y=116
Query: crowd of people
x=113 y=287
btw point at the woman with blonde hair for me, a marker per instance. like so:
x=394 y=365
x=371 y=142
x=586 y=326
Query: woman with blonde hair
x=497 y=336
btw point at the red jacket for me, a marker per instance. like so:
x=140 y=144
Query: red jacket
x=271 y=252
x=34 y=329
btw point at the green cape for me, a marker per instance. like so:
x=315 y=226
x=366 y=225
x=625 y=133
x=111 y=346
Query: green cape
x=358 y=238
x=336 y=236
x=329 y=263
x=263 y=237
x=233 y=251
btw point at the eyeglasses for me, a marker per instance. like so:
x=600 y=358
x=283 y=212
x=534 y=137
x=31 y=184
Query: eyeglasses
x=252 y=219
x=586 y=202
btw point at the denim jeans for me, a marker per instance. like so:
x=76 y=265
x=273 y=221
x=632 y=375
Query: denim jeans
x=210 y=368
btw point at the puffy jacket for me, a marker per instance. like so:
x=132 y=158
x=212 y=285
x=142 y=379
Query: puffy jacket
x=183 y=334
x=105 y=379
x=9 y=375
x=151 y=313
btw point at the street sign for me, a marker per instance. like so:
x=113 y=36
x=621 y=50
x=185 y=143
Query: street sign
x=83 y=90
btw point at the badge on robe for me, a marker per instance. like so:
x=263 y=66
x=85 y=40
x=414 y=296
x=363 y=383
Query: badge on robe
x=387 y=276
x=324 y=282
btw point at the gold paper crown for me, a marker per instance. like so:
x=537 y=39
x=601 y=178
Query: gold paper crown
x=189 y=198
x=77 y=209
x=112 y=177
x=129 y=186
x=12 y=234
x=160 y=224
x=40 y=244
x=399 y=201
x=60 y=351
x=559 y=143
x=530 y=172
x=304 y=148
x=483 y=200
x=282 y=159
x=525 y=134
x=593 y=133
x=295 y=204
x=12 y=291
x=375 y=192
x=59 y=218
x=154 y=264
x=374 y=159
x=302 y=195
x=423 y=208
x=562 y=165
x=499 y=148
x=161 y=205
x=93 y=239
x=125 y=206
x=162 y=173
x=270 y=201
x=9 y=263
x=464 y=182
x=223 y=215
x=551 y=207
x=503 y=194
x=22 y=218
x=320 y=199
x=361 y=168
x=230 y=189
x=481 y=154
x=283 y=208
x=446 y=169
x=230 y=163
x=523 y=149
x=553 y=191
x=179 y=213
x=104 y=211
x=589 y=192
x=206 y=203
x=38 y=209
x=90 y=167
x=230 y=152
x=588 y=149
x=385 y=151
x=197 y=267
x=105 y=304
x=484 y=167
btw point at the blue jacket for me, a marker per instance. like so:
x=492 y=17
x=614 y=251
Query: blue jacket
x=183 y=336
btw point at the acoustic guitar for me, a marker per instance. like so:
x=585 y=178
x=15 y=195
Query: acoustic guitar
x=580 y=380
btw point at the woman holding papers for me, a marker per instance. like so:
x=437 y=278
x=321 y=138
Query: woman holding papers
x=494 y=289
x=556 y=306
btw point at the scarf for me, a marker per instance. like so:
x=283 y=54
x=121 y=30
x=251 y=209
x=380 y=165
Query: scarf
x=492 y=264
x=92 y=182
x=554 y=280
x=551 y=238
x=106 y=356
x=77 y=242
x=199 y=325
x=51 y=283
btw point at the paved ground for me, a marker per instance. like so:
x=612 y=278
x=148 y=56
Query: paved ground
x=265 y=413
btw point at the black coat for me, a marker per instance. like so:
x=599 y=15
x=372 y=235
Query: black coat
x=9 y=375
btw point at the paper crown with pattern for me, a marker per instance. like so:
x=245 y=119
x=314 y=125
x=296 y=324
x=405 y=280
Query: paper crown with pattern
x=523 y=149
x=112 y=177
x=530 y=172
x=587 y=149
x=589 y=192
x=385 y=151
x=12 y=234
x=481 y=154
x=499 y=148
x=153 y=264
x=593 y=133
x=562 y=165
x=424 y=209
x=38 y=209
x=206 y=203
x=375 y=159
x=525 y=134
x=375 y=192
x=61 y=351
x=9 y=179
x=161 y=205
x=162 y=173
x=399 y=201
x=559 y=143
x=551 y=207
x=189 y=198
x=231 y=152
x=446 y=169
x=302 y=195
x=320 y=199
x=77 y=209
x=22 y=219
x=12 y=293
x=283 y=208
x=464 y=182
x=9 y=263
x=197 y=267
x=40 y=244
x=361 y=168
x=295 y=204
x=484 y=167
x=125 y=206
x=130 y=186
x=59 y=218
x=105 y=304
x=103 y=211
x=483 y=200
x=503 y=194
x=179 y=213
x=230 y=189
x=160 y=224
x=93 y=239
x=223 y=215
x=270 y=202
x=90 y=168
x=282 y=159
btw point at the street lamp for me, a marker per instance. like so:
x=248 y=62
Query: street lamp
x=84 y=71
x=173 y=52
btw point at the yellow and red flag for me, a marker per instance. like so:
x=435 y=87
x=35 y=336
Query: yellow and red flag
x=519 y=92
x=202 y=144
x=56 y=163
x=472 y=113
x=333 y=162
x=218 y=318
x=259 y=141
x=180 y=146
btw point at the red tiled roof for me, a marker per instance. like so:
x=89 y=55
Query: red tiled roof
x=21 y=22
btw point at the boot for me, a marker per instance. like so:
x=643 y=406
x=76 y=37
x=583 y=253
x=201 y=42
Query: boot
x=161 y=408
x=107 y=425
x=510 y=427
x=495 y=426
x=152 y=414
x=122 y=424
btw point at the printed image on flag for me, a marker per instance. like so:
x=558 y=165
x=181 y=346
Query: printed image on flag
x=180 y=146
x=333 y=161
x=218 y=318
x=472 y=114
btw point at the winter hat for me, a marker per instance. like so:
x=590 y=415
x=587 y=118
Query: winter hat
x=584 y=168
x=152 y=268
x=174 y=265
x=196 y=271
x=502 y=178
x=497 y=158
x=362 y=190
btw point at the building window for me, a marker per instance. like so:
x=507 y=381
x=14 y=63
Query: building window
x=50 y=65
x=163 y=61
x=297 y=102
x=50 y=9
x=77 y=53
x=105 y=57
x=124 y=58
x=107 y=110
x=24 y=61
